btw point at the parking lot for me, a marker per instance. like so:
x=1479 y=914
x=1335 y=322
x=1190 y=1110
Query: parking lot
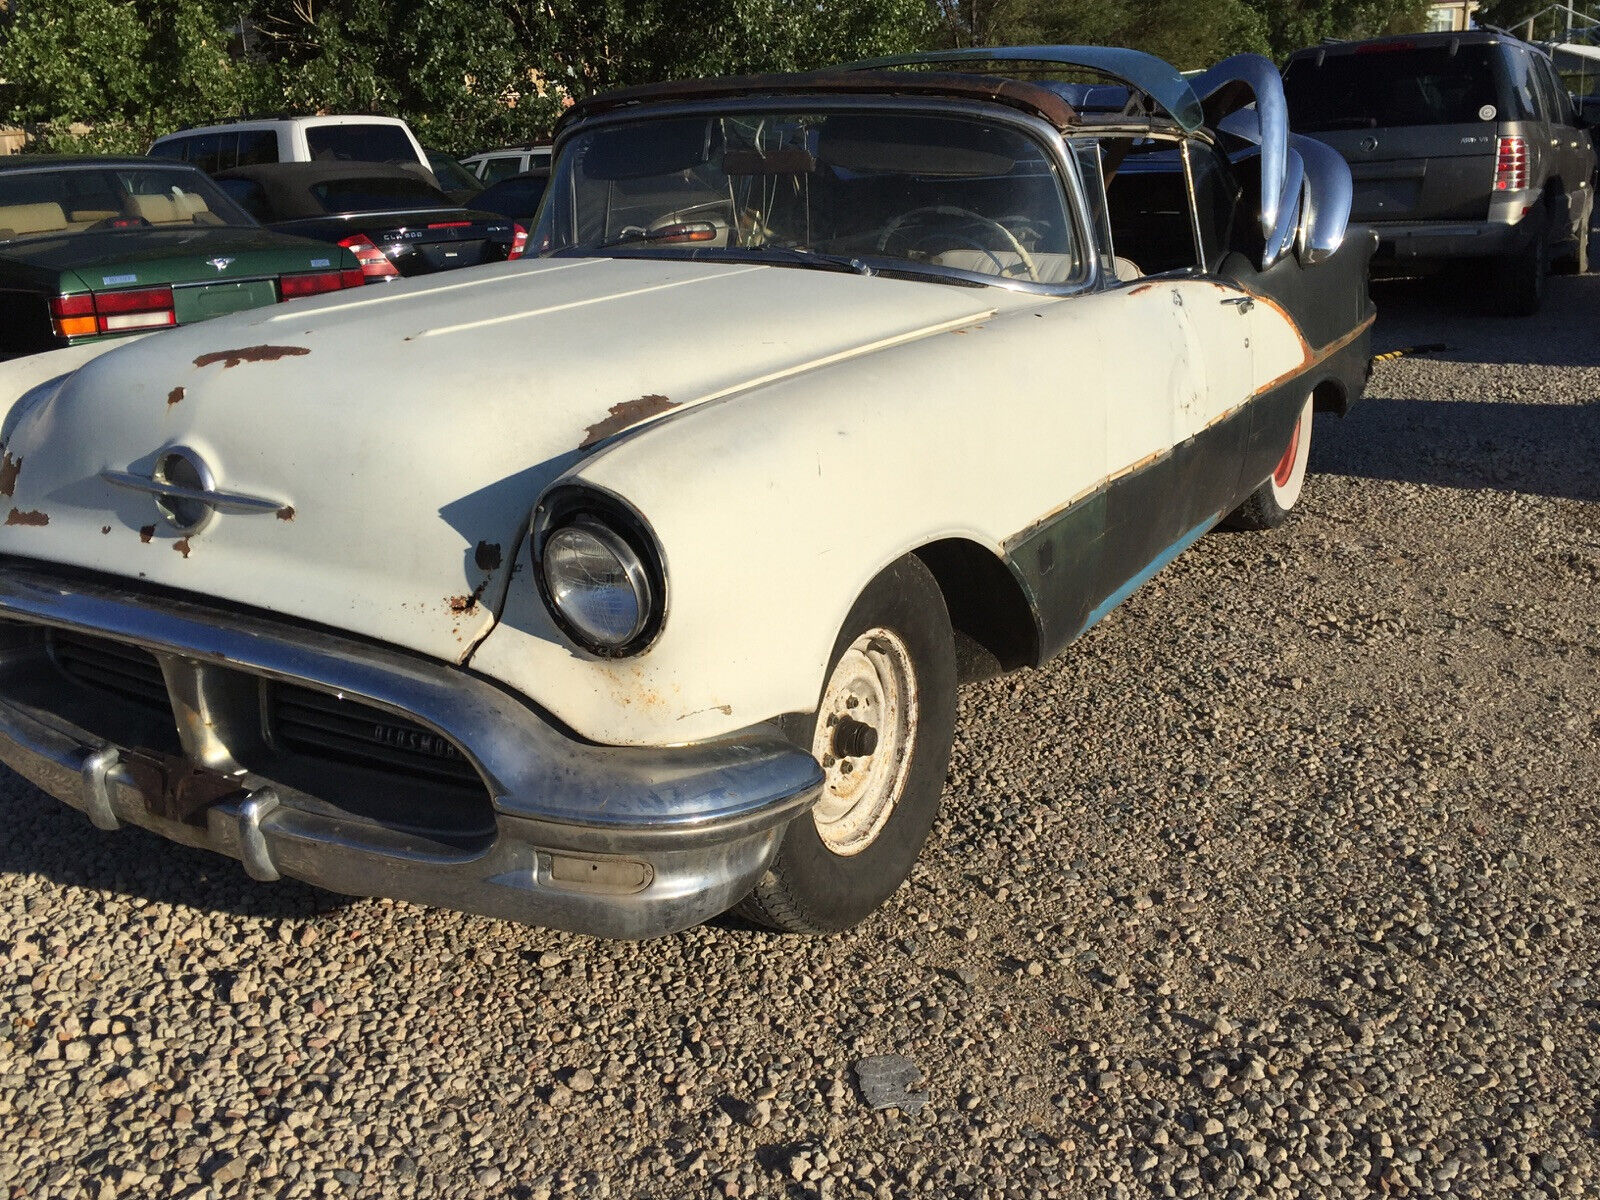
x=1281 y=881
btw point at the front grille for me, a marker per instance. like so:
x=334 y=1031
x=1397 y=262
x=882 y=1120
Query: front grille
x=319 y=725
x=124 y=671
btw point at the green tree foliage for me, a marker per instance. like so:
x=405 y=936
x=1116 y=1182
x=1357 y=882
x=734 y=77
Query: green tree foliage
x=113 y=74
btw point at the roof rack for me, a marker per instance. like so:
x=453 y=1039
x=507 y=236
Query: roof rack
x=1144 y=73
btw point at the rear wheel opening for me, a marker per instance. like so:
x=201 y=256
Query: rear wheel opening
x=1270 y=504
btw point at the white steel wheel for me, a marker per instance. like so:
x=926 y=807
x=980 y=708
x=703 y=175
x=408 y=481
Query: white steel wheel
x=882 y=734
x=865 y=729
x=1270 y=504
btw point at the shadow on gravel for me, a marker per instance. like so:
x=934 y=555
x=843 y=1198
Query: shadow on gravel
x=46 y=838
x=1448 y=308
x=1539 y=449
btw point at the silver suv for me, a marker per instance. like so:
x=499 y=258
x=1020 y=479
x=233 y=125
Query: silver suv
x=1463 y=146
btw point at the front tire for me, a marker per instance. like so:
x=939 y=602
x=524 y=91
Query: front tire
x=882 y=732
x=1270 y=504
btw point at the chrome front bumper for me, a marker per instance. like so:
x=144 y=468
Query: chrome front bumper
x=616 y=842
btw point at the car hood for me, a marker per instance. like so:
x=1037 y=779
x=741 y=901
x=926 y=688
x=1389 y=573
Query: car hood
x=134 y=257
x=398 y=439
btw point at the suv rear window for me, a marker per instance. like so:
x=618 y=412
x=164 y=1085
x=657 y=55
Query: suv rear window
x=1415 y=85
x=359 y=143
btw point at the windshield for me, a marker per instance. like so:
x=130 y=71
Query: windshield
x=58 y=201
x=872 y=190
x=1392 y=86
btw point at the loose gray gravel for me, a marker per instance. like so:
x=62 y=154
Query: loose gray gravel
x=1282 y=882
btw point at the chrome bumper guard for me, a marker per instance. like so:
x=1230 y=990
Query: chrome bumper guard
x=612 y=841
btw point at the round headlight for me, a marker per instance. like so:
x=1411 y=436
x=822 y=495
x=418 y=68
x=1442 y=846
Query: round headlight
x=597 y=584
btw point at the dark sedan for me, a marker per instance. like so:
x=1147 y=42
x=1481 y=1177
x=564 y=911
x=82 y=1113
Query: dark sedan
x=102 y=247
x=517 y=197
x=396 y=222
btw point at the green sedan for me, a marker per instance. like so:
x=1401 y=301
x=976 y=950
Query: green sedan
x=93 y=248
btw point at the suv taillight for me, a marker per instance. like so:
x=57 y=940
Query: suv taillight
x=519 y=242
x=1511 y=165
x=112 y=312
x=374 y=262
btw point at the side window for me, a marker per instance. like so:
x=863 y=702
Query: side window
x=1523 y=100
x=257 y=146
x=1548 y=109
x=248 y=195
x=205 y=152
x=1216 y=196
x=172 y=148
x=502 y=166
x=1561 y=99
x=1147 y=198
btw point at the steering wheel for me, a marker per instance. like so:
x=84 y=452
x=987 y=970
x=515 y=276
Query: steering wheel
x=966 y=214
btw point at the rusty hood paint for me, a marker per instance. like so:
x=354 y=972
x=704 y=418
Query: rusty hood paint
x=403 y=434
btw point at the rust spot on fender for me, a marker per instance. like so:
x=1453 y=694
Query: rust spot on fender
x=146 y=532
x=286 y=513
x=105 y=529
x=624 y=416
x=176 y=394
x=462 y=605
x=10 y=468
x=182 y=546
x=32 y=517
x=251 y=354
x=487 y=556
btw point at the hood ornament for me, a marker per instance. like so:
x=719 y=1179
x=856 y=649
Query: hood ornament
x=186 y=492
x=221 y=264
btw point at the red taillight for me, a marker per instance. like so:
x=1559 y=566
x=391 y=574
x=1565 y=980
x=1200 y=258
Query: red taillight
x=1511 y=165
x=293 y=286
x=449 y=224
x=519 y=242
x=112 y=312
x=374 y=262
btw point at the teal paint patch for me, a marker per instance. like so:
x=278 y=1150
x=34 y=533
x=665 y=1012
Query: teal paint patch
x=1143 y=577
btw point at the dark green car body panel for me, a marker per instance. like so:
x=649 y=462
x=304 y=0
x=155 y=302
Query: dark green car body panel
x=32 y=270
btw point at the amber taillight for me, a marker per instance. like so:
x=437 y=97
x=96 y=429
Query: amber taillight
x=112 y=312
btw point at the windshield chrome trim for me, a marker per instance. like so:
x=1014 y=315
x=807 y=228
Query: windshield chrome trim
x=1051 y=141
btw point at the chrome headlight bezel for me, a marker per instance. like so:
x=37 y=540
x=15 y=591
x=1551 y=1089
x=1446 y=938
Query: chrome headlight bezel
x=624 y=534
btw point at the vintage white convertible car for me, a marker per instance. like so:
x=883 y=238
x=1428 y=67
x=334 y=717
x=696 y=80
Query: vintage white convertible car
x=614 y=588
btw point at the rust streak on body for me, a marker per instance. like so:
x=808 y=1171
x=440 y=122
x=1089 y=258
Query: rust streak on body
x=182 y=546
x=32 y=517
x=1143 y=287
x=10 y=468
x=175 y=395
x=623 y=416
x=146 y=532
x=252 y=354
x=286 y=513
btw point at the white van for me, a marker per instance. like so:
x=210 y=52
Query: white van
x=245 y=143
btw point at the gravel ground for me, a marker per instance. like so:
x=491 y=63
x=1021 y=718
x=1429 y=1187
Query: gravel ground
x=1282 y=881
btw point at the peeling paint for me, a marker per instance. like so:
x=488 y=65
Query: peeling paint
x=623 y=416
x=32 y=517
x=725 y=709
x=146 y=532
x=105 y=529
x=252 y=354
x=10 y=468
x=176 y=394
x=487 y=556
x=286 y=513
x=182 y=546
